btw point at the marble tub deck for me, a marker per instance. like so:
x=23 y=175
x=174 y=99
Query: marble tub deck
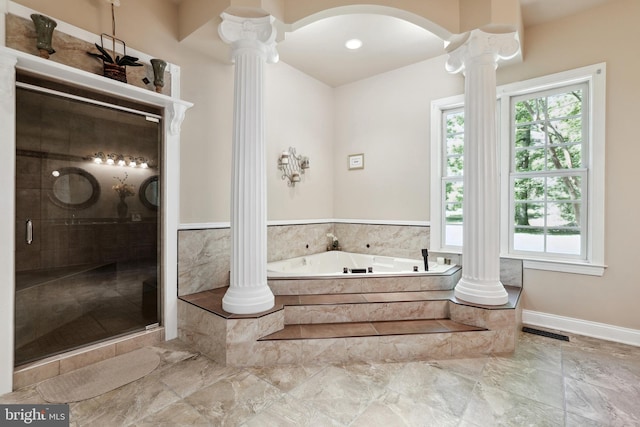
x=545 y=382
x=211 y=300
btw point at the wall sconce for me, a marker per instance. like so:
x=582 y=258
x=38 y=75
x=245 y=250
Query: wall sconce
x=292 y=166
x=119 y=160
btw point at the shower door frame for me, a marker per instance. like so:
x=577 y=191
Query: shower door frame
x=173 y=110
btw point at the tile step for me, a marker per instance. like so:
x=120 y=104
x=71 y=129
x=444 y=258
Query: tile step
x=211 y=300
x=363 y=298
x=365 y=329
x=361 y=310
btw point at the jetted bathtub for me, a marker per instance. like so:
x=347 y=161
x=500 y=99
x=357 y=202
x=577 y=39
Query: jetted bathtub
x=338 y=263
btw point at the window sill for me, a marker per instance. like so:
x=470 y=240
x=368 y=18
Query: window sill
x=565 y=267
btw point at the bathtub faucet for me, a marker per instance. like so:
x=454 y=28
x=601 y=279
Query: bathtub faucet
x=425 y=255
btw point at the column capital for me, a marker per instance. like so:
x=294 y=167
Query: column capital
x=478 y=45
x=257 y=34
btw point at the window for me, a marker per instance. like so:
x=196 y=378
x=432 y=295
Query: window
x=548 y=176
x=552 y=171
x=453 y=147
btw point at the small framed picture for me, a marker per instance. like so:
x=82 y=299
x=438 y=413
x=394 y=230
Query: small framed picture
x=356 y=161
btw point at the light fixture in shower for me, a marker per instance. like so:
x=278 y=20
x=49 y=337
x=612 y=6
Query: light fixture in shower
x=292 y=166
x=116 y=159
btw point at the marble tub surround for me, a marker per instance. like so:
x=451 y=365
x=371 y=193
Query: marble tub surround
x=402 y=241
x=348 y=326
x=511 y=270
x=228 y=341
x=290 y=241
x=203 y=260
x=359 y=283
x=204 y=254
x=589 y=382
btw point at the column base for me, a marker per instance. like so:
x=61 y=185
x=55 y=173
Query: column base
x=486 y=293
x=248 y=300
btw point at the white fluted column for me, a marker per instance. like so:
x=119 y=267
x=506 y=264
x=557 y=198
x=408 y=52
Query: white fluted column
x=477 y=54
x=252 y=45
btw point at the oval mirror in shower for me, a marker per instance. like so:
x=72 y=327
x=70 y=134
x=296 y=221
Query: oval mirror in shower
x=149 y=193
x=73 y=188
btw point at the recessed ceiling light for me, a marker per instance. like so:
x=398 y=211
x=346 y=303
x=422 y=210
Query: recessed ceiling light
x=353 y=44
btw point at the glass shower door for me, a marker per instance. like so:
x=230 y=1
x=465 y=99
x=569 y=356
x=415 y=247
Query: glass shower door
x=87 y=221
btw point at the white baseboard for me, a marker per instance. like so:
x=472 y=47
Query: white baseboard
x=582 y=327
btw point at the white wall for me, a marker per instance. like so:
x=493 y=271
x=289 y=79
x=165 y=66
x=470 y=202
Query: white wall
x=387 y=117
x=205 y=150
x=299 y=114
x=610 y=34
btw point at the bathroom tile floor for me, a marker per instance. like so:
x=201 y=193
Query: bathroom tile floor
x=546 y=382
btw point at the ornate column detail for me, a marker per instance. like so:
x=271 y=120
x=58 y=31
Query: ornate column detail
x=477 y=55
x=176 y=116
x=252 y=45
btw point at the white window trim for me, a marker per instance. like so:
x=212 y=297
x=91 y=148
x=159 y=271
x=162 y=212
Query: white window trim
x=595 y=75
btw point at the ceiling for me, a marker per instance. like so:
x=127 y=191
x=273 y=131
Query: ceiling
x=389 y=43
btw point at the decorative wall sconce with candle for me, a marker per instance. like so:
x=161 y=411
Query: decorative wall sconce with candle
x=116 y=159
x=292 y=166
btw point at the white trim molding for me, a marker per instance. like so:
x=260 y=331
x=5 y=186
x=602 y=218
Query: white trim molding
x=214 y=225
x=382 y=222
x=203 y=225
x=565 y=267
x=587 y=328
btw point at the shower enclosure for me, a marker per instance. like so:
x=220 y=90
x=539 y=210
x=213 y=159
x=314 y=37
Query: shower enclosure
x=87 y=217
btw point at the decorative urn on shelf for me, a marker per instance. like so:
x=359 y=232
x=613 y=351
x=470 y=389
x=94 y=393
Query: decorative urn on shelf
x=44 y=33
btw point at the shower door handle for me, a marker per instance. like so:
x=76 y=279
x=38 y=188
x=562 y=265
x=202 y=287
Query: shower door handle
x=29 y=232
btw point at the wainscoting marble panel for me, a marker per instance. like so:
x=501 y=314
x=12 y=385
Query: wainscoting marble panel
x=203 y=260
x=203 y=331
x=204 y=255
x=291 y=241
x=388 y=240
x=511 y=272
